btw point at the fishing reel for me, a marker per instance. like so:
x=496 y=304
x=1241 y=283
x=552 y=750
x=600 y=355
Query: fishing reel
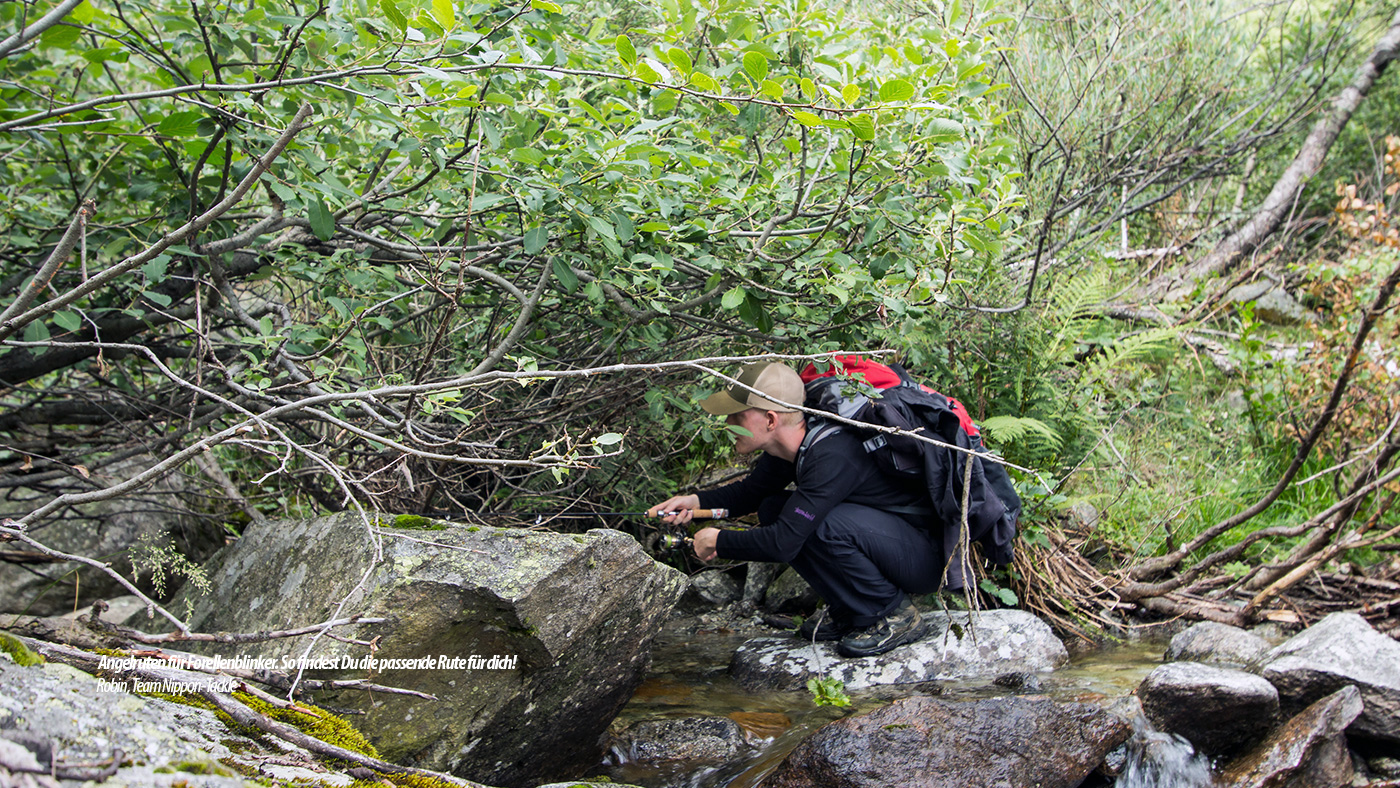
x=664 y=544
x=670 y=543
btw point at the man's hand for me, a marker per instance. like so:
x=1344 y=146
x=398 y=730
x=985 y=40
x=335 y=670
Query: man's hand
x=684 y=507
x=704 y=541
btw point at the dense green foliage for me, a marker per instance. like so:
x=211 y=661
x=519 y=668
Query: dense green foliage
x=477 y=187
x=472 y=214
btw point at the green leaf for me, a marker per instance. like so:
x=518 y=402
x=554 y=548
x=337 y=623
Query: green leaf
x=83 y=14
x=733 y=110
x=67 y=321
x=809 y=88
x=394 y=15
x=536 y=238
x=646 y=72
x=36 y=332
x=806 y=118
x=680 y=60
x=652 y=227
x=155 y=269
x=602 y=227
x=660 y=69
x=545 y=5
x=61 y=36
x=851 y=93
x=945 y=130
x=158 y=298
x=705 y=82
x=322 y=220
x=863 y=126
x=755 y=65
x=528 y=156
x=180 y=124
x=565 y=274
x=771 y=89
x=896 y=90
x=608 y=439
x=625 y=50
x=444 y=14
x=733 y=298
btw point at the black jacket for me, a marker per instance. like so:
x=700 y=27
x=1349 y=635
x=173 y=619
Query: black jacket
x=834 y=470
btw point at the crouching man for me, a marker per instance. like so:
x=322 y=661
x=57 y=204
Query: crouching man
x=847 y=529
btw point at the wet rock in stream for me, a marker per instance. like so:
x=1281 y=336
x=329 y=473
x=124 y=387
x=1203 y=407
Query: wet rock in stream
x=933 y=743
x=1219 y=710
x=1217 y=643
x=987 y=644
x=1308 y=751
x=707 y=738
x=1340 y=649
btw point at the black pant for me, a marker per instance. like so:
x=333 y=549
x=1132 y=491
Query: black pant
x=863 y=561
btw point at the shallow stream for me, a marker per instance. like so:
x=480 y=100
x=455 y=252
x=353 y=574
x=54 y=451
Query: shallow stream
x=689 y=678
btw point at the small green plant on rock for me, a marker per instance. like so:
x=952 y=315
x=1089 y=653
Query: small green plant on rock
x=828 y=691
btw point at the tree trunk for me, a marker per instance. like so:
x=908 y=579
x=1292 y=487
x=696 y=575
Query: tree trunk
x=1285 y=192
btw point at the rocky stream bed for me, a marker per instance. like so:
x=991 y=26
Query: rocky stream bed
x=558 y=657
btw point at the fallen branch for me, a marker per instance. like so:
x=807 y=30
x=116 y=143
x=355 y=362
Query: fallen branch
x=138 y=636
x=1290 y=184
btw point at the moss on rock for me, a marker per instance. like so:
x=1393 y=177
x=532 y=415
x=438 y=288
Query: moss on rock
x=415 y=522
x=18 y=651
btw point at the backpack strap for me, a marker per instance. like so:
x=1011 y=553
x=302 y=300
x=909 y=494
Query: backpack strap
x=818 y=429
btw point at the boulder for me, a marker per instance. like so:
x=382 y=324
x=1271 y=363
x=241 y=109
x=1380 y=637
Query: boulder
x=1340 y=649
x=530 y=641
x=759 y=576
x=1272 y=303
x=933 y=743
x=708 y=590
x=1308 y=751
x=1219 y=710
x=1213 y=642
x=1020 y=681
x=30 y=584
x=985 y=644
x=789 y=593
x=682 y=739
x=53 y=709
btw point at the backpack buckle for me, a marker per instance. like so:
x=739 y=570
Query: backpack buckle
x=874 y=444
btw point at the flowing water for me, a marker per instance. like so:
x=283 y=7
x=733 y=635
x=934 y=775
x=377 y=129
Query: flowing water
x=689 y=678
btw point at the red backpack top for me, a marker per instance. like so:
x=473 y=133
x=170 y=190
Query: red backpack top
x=880 y=377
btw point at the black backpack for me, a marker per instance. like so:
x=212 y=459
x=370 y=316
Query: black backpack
x=993 y=507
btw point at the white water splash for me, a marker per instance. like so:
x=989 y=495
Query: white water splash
x=1163 y=760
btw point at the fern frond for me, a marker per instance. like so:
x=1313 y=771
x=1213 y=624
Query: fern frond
x=1129 y=349
x=1019 y=429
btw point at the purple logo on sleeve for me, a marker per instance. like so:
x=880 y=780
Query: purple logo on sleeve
x=808 y=515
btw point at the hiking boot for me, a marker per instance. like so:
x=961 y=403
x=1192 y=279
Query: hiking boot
x=902 y=625
x=824 y=626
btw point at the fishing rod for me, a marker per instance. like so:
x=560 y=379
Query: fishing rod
x=540 y=517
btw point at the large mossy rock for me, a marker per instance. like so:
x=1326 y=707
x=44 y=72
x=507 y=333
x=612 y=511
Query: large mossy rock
x=931 y=743
x=569 y=617
x=58 y=710
x=959 y=646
